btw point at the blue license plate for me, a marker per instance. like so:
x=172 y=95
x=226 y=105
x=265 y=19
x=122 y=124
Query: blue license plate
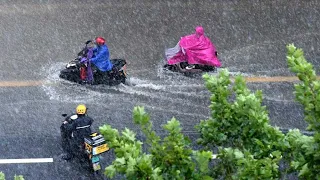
x=95 y=159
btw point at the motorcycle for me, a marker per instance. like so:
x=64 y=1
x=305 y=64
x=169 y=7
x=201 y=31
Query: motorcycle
x=196 y=49
x=80 y=70
x=89 y=150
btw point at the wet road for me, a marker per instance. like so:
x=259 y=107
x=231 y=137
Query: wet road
x=39 y=37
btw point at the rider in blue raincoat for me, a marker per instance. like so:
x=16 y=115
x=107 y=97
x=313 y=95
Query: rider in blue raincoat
x=101 y=59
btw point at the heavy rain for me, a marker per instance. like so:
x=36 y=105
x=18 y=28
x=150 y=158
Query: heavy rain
x=38 y=38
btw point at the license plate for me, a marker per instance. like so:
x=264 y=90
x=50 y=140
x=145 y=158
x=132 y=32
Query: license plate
x=100 y=149
x=96 y=166
x=95 y=159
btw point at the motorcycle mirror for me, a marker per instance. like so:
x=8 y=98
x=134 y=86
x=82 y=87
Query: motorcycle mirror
x=64 y=115
x=89 y=41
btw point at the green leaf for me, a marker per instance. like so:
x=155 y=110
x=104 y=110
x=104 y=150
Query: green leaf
x=108 y=132
x=207 y=178
x=173 y=125
x=131 y=165
x=295 y=164
x=203 y=159
x=110 y=171
x=2 y=176
x=291 y=48
x=140 y=116
x=298 y=53
x=305 y=170
x=120 y=161
x=18 y=177
x=129 y=135
x=238 y=154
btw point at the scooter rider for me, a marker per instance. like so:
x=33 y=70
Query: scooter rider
x=79 y=127
x=101 y=57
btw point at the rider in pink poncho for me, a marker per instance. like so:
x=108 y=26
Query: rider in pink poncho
x=194 y=49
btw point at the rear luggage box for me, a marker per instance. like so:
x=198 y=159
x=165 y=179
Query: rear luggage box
x=95 y=144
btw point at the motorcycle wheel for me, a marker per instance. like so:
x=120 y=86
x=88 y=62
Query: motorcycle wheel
x=171 y=67
x=70 y=75
x=118 y=78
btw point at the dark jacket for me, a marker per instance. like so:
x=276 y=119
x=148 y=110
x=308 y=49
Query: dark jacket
x=80 y=127
x=101 y=58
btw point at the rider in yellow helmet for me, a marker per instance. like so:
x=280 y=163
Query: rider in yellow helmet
x=79 y=125
x=81 y=109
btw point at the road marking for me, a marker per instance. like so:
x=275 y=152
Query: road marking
x=20 y=83
x=272 y=79
x=33 y=160
x=255 y=79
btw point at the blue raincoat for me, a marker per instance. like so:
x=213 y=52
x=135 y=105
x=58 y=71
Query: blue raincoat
x=101 y=58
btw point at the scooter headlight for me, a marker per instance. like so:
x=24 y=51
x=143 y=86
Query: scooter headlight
x=70 y=64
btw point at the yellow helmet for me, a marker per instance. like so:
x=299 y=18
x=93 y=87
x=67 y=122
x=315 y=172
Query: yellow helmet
x=81 y=109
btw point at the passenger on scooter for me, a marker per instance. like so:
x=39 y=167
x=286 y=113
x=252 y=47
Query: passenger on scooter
x=79 y=127
x=101 y=57
x=195 y=49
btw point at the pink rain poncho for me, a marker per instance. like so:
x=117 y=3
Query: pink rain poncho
x=194 y=49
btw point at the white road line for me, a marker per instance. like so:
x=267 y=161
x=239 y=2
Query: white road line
x=34 y=160
x=253 y=79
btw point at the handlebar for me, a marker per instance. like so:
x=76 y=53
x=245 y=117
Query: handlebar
x=69 y=118
x=87 y=42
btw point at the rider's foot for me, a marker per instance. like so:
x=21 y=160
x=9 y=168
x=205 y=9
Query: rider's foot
x=191 y=66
